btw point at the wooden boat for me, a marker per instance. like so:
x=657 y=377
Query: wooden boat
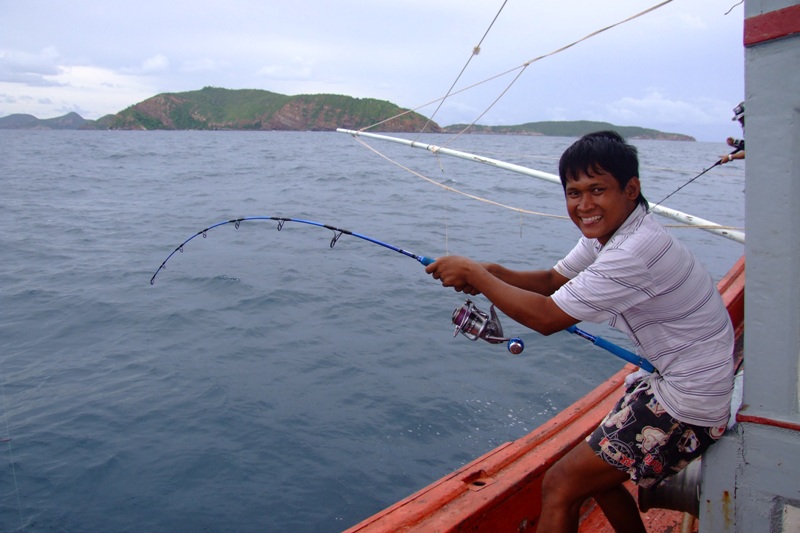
x=749 y=479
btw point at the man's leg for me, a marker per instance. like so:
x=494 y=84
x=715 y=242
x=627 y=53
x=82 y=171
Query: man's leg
x=620 y=508
x=577 y=476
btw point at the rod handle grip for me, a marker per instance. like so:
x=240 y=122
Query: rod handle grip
x=629 y=356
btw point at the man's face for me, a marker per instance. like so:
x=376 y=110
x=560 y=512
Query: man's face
x=597 y=205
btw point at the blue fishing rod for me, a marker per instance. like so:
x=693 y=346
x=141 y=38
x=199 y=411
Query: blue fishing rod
x=468 y=319
x=337 y=233
x=629 y=356
x=472 y=322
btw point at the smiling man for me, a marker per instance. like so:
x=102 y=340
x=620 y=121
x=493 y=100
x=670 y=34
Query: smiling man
x=628 y=271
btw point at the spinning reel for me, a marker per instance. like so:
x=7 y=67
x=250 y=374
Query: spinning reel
x=475 y=324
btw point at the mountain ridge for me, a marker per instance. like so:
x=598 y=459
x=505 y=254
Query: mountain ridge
x=214 y=108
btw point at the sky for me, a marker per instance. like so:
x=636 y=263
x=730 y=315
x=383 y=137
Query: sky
x=679 y=68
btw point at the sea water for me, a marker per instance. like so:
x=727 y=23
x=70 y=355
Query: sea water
x=268 y=381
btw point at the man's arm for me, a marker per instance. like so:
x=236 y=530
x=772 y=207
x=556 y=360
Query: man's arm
x=522 y=296
x=544 y=282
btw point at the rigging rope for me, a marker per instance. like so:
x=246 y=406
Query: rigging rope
x=475 y=51
x=522 y=68
x=451 y=189
x=450 y=92
x=554 y=52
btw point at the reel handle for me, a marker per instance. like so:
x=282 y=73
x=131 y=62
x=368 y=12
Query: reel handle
x=515 y=345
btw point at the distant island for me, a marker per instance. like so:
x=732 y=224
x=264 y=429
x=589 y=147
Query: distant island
x=214 y=108
x=573 y=128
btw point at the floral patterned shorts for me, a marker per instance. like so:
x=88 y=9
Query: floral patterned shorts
x=639 y=437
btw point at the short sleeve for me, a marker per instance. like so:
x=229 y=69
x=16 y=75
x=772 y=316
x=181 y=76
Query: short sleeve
x=578 y=259
x=615 y=282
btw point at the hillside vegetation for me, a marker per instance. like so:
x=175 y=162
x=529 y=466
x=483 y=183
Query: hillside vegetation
x=21 y=121
x=213 y=108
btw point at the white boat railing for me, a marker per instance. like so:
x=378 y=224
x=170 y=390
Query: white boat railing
x=685 y=218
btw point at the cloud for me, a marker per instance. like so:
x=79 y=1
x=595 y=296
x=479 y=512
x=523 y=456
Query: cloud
x=152 y=65
x=158 y=63
x=204 y=64
x=90 y=91
x=296 y=71
x=655 y=107
x=693 y=22
x=671 y=66
x=29 y=68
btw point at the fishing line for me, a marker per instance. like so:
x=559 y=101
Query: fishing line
x=7 y=440
x=718 y=163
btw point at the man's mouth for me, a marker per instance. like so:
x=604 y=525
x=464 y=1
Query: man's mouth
x=591 y=220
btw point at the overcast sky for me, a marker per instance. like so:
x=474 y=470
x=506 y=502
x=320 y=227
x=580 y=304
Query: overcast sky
x=678 y=69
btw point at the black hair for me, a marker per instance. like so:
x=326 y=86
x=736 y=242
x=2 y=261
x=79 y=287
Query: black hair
x=605 y=150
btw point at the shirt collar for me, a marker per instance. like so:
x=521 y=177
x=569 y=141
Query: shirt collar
x=630 y=225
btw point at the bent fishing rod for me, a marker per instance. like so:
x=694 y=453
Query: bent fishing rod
x=474 y=324
x=468 y=319
x=337 y=233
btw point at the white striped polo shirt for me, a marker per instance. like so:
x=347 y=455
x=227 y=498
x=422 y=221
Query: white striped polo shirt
x=650 y=286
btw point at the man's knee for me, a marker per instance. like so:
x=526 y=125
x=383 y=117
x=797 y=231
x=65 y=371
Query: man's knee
x=559 y=485
x=550 y=482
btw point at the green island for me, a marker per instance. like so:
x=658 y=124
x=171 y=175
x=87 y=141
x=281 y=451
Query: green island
x=215 y=108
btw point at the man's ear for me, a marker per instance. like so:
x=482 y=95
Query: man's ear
x=633 y=188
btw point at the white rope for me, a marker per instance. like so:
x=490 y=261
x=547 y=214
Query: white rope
x=519 y=210
x=475 y=51
x=554 y=52
x=452 y=189
x=521 y=68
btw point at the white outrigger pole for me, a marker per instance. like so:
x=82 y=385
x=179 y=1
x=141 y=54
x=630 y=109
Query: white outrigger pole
x=685 y=218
